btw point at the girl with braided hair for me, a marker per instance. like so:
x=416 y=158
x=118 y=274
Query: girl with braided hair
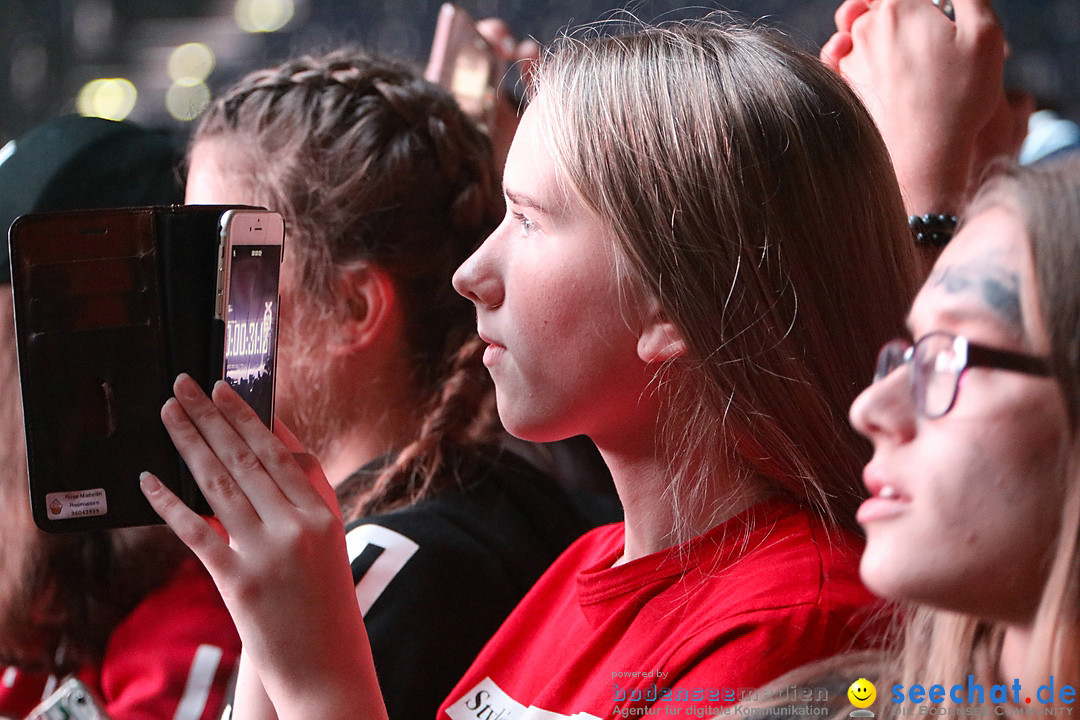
x=386 y=187
x=704 y=243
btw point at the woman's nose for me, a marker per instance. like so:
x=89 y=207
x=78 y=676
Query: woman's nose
x=885 y=409
x=478 y=278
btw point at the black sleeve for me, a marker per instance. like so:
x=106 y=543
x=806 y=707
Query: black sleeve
x=437 y=579
x=435 y=596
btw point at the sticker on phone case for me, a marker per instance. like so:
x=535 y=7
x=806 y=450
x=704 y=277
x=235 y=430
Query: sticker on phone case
x=80 y=503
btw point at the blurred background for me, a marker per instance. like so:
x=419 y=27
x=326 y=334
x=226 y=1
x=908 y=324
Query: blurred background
x=158 y=61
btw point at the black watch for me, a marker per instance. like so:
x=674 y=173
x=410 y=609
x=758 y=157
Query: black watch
x=933 y=230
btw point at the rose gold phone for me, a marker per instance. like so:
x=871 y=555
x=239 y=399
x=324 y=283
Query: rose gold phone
x=464 y=63
x=249 y=269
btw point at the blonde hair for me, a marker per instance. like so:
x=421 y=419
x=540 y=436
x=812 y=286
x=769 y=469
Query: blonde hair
x=1046 y=198
x=754 y=198
x=947 y=645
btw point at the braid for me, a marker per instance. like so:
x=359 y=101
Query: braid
x=367 y=161
x=462 y=415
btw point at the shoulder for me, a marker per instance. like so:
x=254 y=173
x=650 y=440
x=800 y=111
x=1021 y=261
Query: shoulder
x=177 y=646
x=469 y=553
x=750 y=648
x=795 y=590
x=503 y=517
x=793 y=558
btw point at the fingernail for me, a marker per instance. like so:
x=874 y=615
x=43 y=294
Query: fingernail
x=169 y=409
x=150 y=485
x=218 y=392
x=185 y=386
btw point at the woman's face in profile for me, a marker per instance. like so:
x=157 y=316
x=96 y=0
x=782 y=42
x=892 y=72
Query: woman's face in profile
x=964 y=507
x=563 y=333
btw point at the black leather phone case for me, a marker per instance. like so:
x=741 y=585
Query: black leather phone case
x=110 y=305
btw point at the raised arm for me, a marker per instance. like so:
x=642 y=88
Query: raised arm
x=283 y=571
x=935 y=88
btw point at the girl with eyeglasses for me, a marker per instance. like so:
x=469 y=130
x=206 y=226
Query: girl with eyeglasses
x=975 y=511
x=681 y=275
x=973 y=520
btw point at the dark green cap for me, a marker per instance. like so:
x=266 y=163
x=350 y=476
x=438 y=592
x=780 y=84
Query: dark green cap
x=79 y=163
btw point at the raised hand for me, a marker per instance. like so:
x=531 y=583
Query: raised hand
x=521 y=54
x=283 y=570
x=933 y=86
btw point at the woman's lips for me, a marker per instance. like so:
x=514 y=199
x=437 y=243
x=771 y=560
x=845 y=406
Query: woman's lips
x=885 y=501
x=492 y=353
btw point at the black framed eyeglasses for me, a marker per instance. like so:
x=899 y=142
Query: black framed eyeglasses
x=939 y=359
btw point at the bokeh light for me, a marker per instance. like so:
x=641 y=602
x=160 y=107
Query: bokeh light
x=191 y=63
x=185 y=102
x=263 y=15
x=110 y=98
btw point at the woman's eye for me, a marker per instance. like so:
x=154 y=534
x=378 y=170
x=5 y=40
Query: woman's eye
x=528 y=227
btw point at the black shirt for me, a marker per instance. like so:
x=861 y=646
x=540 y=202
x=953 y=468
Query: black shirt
x=436 y=579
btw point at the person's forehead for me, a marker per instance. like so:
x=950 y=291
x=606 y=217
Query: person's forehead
x=216 y=174
x=977 y=279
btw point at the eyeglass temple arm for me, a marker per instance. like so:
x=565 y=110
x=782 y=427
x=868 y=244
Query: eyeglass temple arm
x=981 y=356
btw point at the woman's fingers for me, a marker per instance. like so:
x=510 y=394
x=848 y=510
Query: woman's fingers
x=193 y=531
x=499 y=36
x=274 y=457
x=848 y=11
x=976 y=14
x=834 y=49
x=225 y=496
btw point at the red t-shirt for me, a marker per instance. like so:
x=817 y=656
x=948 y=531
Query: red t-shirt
x=174 y=656
x=687 y=628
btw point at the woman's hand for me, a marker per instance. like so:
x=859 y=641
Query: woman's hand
x=934 y=87
x=522 y=54
x=283 y=570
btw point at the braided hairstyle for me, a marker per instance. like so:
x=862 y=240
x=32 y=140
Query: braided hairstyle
x=368 y=162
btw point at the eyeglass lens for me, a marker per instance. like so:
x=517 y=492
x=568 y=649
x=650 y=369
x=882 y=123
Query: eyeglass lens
x=935 y=372
x=937 y=368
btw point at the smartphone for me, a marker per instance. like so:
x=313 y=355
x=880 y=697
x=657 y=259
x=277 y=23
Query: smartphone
x=249 y=266
x=464 y=63
x=110 y=306
x=71 y=701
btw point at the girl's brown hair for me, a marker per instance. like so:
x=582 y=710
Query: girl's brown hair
x=754 y=198
x=368 y=162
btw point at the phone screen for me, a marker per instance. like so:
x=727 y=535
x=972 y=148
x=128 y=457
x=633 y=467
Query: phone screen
x=471 y=80
x=463 y=62
x=251 y=325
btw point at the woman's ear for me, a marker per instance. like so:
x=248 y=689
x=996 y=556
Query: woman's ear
x=367 y=302
x=660 y=340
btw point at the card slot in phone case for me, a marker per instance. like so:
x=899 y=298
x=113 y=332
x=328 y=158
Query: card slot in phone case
x=75 y=242
x=90 y=277
x=94 y=424
x=74 y=314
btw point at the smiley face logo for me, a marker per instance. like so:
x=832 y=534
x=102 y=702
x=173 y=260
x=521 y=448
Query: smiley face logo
x=862 y=693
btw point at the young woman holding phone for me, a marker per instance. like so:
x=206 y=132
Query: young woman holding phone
x=681 y=275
